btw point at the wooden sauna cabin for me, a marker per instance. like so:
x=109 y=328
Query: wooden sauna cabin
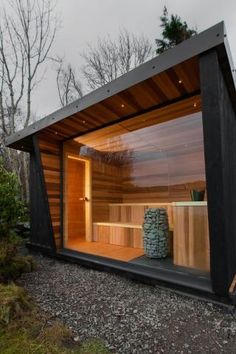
x=146 y=140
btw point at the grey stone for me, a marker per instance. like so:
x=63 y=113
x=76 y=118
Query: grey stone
x=156 y=233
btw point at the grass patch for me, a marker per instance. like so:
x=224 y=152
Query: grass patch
x=25 y=330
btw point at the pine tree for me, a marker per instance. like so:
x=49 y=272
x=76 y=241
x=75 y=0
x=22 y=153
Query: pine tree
x=174 y=32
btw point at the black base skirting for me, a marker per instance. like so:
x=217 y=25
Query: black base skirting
x=186 y=285
x=197 y=287
x=42 y=249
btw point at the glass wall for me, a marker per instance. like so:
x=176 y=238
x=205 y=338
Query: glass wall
x=159 y=163
x=134 y=168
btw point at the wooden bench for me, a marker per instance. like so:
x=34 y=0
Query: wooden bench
x=118 y=233
x=121 y=234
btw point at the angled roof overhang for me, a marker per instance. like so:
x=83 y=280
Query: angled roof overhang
x=164 y=80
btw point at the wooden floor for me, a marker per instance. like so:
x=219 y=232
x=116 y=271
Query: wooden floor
x=105 y=250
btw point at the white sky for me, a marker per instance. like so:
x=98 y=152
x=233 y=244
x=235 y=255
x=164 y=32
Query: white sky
x=82 y=21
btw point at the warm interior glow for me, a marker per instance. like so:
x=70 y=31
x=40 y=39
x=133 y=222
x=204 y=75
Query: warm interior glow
x=149 y=161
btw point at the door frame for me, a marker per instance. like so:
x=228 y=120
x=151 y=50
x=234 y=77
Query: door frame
x=69 y=153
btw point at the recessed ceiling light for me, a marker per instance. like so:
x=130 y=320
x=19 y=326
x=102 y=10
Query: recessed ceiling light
x=180 y=81
x=122 y=106
x=83 y=121
x=56 y=133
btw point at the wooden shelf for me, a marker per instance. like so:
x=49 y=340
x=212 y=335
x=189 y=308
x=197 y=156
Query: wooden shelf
x=190 y=203
x=119 y=224
x=140 y=204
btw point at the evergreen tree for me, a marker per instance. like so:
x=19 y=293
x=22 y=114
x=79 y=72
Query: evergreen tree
x=174 y=32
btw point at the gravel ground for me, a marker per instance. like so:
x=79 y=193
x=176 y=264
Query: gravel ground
x=129 y=317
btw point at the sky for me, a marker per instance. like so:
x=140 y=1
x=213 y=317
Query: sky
x=83 y=21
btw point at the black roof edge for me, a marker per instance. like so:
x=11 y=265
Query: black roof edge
x=204 y=41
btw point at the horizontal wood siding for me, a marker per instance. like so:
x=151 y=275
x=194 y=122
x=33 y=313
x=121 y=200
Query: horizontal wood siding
x=51 y=164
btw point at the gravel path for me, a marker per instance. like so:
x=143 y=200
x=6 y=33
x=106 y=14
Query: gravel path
x=130 y=317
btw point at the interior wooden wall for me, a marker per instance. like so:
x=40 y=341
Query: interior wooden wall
x=50 y=158
x=106 y=188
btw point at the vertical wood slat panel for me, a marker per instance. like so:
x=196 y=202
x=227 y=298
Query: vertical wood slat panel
x=134 y=212
x=51 y=164
x=191 y=237
x=118 y=235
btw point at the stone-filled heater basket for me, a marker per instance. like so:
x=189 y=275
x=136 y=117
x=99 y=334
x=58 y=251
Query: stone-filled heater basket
x=156 y=233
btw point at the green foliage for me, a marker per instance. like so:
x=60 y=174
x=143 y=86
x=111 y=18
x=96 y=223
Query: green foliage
x=8 y=250
x=13 y=265
x=13 y=269
x=93 y=346
x=11 y=207
x=13 y=303
x=23 y=329
x=174 y=32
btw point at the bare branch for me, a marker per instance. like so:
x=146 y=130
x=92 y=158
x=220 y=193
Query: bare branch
x=111 y=59
x=68 y=86
x=27 y=33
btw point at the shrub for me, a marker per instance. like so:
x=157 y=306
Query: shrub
x=14 y=302
x=17 y=265
x=11 y=207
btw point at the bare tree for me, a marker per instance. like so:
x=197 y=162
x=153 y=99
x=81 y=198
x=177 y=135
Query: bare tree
x=27 y=32
x=112 y=58
x=68 y=86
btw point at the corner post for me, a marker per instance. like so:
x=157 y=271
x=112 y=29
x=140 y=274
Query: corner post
x=219 y=127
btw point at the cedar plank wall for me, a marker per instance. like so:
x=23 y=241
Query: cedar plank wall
x=50 y=158
x=106 y=188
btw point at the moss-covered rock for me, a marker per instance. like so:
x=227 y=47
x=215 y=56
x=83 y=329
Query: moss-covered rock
x=14 y=302
x=13 y=269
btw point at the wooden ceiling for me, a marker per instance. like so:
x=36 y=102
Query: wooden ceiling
x=147 y=132
x=178 y=83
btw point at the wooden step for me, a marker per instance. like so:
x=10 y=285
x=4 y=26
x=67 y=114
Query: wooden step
x=118 y=233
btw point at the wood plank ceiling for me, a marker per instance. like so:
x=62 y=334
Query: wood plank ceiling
x=176 y=83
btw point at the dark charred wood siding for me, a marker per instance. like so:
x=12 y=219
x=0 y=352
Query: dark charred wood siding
x=41 y=226
x=219 y=123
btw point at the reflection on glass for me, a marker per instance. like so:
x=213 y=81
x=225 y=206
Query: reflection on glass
x=129 y=169
x=162 y=162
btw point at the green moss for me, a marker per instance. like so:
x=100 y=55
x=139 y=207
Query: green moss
x=95 y=346
x=12 y=266
x=15 y=340
x=23 y=329
x=14 y=302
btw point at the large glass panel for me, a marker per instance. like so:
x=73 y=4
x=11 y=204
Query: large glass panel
x=134 y=169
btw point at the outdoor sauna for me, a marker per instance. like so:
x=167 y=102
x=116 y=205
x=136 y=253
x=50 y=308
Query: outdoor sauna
x=146 y=141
